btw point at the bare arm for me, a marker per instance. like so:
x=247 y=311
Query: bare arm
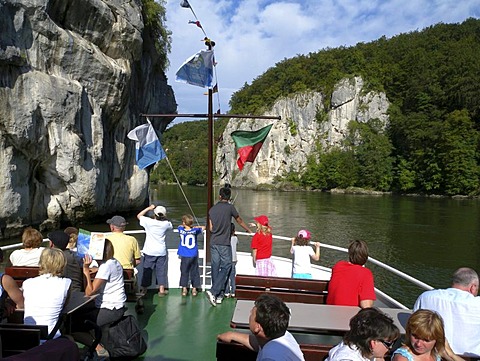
x=92 y=287
x=448 y=354
x=142 y=213
x=243 y=224
x=13 y=291
x=254 y=257
x=245 y=339
x=366 y=303
x=316 y=256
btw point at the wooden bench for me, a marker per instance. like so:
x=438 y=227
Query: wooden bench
x=21 y=273
x=237 y=352
x=17 y=338
x=287 y=289
x=130 y=286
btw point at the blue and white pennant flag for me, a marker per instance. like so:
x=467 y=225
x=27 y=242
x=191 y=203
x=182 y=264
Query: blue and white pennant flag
x=148 y=147
x=197 y=70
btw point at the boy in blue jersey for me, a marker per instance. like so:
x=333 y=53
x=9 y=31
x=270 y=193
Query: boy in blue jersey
x=188 y=253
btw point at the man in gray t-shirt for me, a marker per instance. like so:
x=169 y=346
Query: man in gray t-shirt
x=220 y=249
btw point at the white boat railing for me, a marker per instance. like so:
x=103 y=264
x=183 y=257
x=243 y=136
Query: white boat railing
x=370 y=259
x=386 y=267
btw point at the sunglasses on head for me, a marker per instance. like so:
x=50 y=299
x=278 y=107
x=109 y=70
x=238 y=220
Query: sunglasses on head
x=388 y=344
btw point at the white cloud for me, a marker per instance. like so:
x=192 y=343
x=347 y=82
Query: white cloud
x=253 y=35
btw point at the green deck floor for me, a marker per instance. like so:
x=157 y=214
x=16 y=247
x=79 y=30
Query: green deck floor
x=182 y=328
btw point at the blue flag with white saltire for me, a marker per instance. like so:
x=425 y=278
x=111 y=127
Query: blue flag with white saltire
x=197 y=70
x=148 y=147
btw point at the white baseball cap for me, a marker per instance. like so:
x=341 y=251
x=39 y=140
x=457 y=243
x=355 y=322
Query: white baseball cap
x=159 y=210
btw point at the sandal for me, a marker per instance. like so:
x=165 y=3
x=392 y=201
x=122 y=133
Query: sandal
x=194 y=292
x=184 y=293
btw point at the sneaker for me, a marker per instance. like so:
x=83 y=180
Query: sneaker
x=227 y=295
x=219 y=300
x=211 y=298
x=232 y=295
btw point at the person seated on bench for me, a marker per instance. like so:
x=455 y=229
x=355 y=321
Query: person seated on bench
x=425 y=339
x=268 y=324
x=29 y=255
x=108 y=283
x=372 y=334
x=351 y=283
x=11 y=297
x=46 y=294
x=73 y=268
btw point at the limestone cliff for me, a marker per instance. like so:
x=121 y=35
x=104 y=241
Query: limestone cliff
x=303 y=126
x=74 y=77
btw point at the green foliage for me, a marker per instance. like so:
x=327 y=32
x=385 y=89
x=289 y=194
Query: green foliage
x=155 y=18
x=431 y=144
x=321 y=116
x=405 y=176
x=372 y=151
x=364 y=161
x=430 y=77
x=333 y=169
x=186 y=145
x=439 y=65
x=292 y=126
x=457 y=154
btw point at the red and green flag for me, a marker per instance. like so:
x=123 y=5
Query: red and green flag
x=248 y=144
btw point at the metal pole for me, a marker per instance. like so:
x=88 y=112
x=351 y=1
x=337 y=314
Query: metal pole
x=210 y=170
x=212 y=115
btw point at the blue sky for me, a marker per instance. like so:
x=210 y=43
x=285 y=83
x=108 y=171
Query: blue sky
x=252 y=35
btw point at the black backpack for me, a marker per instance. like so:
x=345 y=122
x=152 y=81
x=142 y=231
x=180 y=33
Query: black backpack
x=124 y=339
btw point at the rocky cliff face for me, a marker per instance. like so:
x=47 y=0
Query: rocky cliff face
x=74 y=77
x=304 y=126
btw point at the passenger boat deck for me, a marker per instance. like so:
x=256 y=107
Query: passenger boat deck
x=182 y=328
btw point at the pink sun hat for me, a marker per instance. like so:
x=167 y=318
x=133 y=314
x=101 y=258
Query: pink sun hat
x=305 y=234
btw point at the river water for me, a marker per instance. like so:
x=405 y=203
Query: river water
x=427 y=238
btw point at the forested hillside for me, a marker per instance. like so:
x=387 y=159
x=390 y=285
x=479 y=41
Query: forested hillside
x=187 y=150
x=432 y=79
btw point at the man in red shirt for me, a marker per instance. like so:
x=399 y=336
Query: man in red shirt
x=351 y=283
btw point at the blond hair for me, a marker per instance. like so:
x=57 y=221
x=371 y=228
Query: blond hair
x=426 y=325
x=52 y=260
x=31 y=238
x=263 y=229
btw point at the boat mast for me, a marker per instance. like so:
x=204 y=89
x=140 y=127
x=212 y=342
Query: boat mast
x=210 y=171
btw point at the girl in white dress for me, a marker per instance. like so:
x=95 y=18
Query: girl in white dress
x=302 y=252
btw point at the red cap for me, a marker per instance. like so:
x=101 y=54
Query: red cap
x=263 y=220
x=305 y=234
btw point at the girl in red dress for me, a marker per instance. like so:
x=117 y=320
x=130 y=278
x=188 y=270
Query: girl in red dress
x=262 y=248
